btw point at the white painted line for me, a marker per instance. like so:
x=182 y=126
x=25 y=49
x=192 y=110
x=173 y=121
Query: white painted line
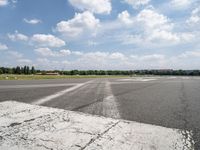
x=110 y=106
x=36 y=127
x=107 y=106
x=58 y=94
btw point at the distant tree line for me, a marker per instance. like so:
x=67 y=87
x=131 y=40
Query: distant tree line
x=31 y=70
x=18 y=70
x=132 y=72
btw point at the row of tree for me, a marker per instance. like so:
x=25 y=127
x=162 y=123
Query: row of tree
x=132 y=72
x=18 y=70
x=31 y=70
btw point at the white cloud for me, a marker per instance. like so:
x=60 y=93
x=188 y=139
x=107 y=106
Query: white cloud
x=3 y=2
x=15 y=54
x=160 y=28
x=107 y=60
x=151 y=27
x=137 y=3
x=47 y=40
x=82 y=22
x=92 y=43
x=17 y=36
x=163 y=35
x=65 y=52
x=46 y=52
x=95 y=6
x=24 y=61
x=125 y=17
x=195 y=17
x=104 y=56
x=153 y=20
x=65 y=62
x=3 y=47
x=78 y=53
x=181 y=4
x=195 y=53
x=153 y=57
x=118 y=56
x=43 y=61
x=147 y=58
x=32 y=21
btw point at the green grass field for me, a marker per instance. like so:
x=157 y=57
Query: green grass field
x=38 y=77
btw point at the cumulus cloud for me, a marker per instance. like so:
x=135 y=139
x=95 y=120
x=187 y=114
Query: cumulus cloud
x=154 y=28
x=3 y=2
x=82 y=22
x=78 y=53
x=24 y=61
x=15 y=54
x=137 y=3
x=160 y=28
x=32 y=21
x=118 y=56
x=107 y=60
x=125 y=17
x=46 y=52
x=181 y=4
x=92 y=43
x=3 y=47
x=154 y=20
x=152 y=57
x=195 y=53
x=17 y=36
x=98 y=60
x=95 y=6
x=195 y=17
x=47 y=40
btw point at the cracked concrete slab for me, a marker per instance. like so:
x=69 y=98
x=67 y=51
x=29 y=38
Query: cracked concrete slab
x=24 y=126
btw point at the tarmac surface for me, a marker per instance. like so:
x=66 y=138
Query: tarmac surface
x=172 y=102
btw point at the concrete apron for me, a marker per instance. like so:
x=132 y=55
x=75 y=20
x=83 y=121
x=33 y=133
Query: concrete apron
x=31 y=127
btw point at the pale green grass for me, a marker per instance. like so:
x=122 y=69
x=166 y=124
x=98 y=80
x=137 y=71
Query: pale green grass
x=38 y=77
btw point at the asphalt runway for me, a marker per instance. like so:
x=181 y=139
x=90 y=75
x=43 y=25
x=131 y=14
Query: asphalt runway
x=172 y=102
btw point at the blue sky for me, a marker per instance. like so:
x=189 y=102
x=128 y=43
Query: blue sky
x=100 y=34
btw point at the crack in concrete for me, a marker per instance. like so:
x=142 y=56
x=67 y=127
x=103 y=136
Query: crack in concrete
x=46 y=147
x=99 y=136
x=14 y=124
x=83 y=132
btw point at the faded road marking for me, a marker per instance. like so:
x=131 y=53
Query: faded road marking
x=107 y=106
x=139 y=79
x=110 y=106
x=58 y=94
